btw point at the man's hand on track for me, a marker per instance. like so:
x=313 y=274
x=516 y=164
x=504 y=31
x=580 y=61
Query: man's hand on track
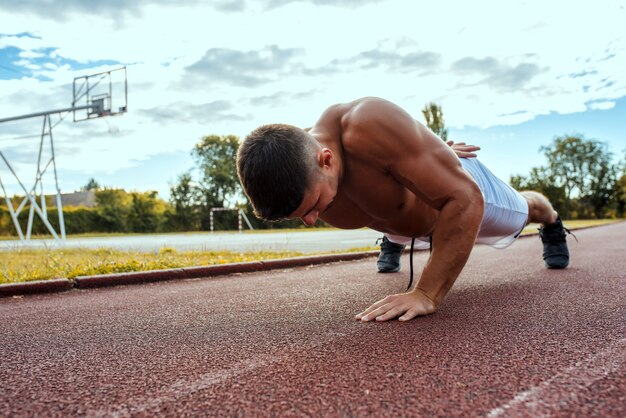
x=406 y=306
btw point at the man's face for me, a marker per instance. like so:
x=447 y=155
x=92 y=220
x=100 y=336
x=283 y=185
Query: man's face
x=321 y=191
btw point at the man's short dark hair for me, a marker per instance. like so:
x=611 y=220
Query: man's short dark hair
x=273 y=165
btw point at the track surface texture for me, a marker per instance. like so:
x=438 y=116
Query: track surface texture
x=511 y=339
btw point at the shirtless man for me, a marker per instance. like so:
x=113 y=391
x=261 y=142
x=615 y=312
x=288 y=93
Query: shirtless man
x=368 y=163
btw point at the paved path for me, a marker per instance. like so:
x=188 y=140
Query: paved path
x=511 y=339
x=305 y=241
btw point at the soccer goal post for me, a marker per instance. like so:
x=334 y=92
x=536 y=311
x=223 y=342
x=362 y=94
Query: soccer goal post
x=240 y=216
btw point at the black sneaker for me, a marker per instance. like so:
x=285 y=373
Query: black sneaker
x=555 y=252
x=389 y=257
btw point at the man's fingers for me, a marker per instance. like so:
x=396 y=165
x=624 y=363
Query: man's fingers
x=404 y=306
x=394 y=306
x=466 y=154
x=377 y=309
x=410 y=314
x=390 y=314
x=386 y=312
x=372 y=308
x=371 y=314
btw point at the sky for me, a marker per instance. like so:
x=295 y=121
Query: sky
x=509 y=76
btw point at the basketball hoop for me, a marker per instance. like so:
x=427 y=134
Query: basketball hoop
x=96 y=95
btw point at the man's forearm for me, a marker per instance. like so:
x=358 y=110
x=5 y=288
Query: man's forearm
x=453 y=238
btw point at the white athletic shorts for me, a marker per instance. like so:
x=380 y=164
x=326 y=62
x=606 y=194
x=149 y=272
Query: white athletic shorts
x=506 y=211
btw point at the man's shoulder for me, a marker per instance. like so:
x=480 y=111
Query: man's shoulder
x=368 y=110
x=336 y=118
x=356 y=107
x=356 y=124
x=362 y=123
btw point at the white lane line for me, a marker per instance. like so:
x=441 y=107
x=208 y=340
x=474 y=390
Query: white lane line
x=182 y=387
x=543 y=399
x=170 y=394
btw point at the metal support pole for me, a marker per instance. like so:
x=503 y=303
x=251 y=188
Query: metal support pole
x=56 y=184
x=16 y=222
x=33 y=202
x=33 y=115
x=43 y=199
x=38 y=178
x=211 y=219
x=31 y=212
x=32 y=191
x=246 y=219
x=29 y=225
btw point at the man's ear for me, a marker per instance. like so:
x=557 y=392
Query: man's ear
x=325 y=157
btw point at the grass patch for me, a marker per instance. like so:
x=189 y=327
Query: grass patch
x=41 y=264
x=21 y=265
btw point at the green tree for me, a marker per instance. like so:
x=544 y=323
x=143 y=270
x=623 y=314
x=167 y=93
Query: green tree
x=184 y=200
x=542 y=181
x=215 y=156
x=620 y=196
x=583 y=168
x=113 y=207
x=619 y=188
x=602 y=191
x=435 y=121
x=92 y=184
x=146 y=212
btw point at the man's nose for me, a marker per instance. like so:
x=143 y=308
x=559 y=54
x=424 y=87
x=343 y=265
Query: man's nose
x=310 y=218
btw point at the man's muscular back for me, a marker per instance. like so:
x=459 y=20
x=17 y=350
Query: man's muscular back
x=370 y=192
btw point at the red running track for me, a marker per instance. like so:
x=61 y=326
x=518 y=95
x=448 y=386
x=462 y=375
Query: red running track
x=511 y=339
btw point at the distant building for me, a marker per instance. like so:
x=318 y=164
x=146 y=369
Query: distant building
x=86 y=199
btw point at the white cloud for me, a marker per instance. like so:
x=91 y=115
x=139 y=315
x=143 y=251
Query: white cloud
x=602 y=105
x=31 y=54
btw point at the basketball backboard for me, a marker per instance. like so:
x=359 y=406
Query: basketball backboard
x=101 y=94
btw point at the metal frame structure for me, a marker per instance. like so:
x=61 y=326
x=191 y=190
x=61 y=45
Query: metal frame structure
x=82 y=89
x=240 y=215
x=96 y=106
